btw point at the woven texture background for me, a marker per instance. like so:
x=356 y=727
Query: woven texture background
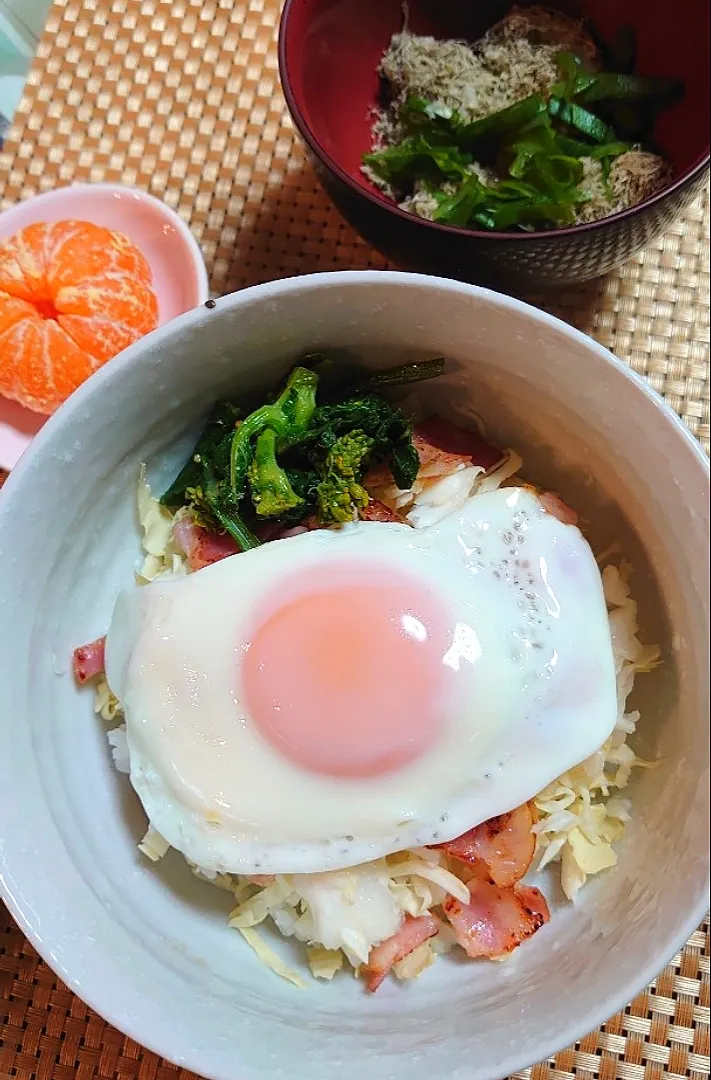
x=181 y=98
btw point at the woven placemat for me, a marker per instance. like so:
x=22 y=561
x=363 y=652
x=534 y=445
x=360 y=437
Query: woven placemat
x=181 y=98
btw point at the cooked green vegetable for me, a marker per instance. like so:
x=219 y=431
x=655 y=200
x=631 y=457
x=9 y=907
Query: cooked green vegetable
x=339 y=500
x=349 y=454
x=203 y=484
x=580 y=119
x=609 y=87
x=214 y=445
x=289 y=417
x=270 y=487
x=503 y=123
x=540 y=173
x=418 y=157
x=340 y=494
x=292 y=457
x=575 y=79
x=382 y=422
x=214 y=507
x=399 y=376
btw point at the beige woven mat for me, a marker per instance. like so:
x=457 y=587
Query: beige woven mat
x=181 y=97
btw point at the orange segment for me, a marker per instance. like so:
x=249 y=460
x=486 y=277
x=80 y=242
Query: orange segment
x=47 y=367
x=93 y=253
x=99 y=338
x=108 y=297
x=68 y=365
x=29 y=249
x=11 y=311
x=12 y=276
x=72 y=296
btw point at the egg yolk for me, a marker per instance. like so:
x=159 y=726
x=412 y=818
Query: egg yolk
x=347 y=679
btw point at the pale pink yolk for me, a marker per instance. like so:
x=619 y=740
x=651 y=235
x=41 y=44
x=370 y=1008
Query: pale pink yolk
x=347 y=679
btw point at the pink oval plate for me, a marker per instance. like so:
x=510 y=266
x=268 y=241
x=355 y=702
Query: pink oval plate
x=176 y=262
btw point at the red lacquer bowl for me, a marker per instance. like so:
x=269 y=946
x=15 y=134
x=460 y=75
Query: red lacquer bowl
x=329 y=51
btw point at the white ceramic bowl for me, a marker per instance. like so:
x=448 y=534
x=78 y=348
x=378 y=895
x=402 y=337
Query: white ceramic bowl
x=147 y=946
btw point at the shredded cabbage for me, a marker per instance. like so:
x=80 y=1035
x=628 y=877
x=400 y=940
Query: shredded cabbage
x=270 y=959
x=119 y=748
x=579 y=819
x=435 y=494
x=438 y=498
x=153 y=845
x=106 y=704
x=416 y=962
x=324 y=963
x=162 y=555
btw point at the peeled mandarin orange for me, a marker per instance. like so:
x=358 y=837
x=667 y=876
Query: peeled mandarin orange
x=72 y=296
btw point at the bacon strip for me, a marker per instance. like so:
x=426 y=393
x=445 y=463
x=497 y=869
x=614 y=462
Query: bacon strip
x=534 y=900
x=383 y=957
x=554 y=505
x=88 y=660
x=440 y=442
x=202 y=548
x=504 y=843
x=496 y=920
x=377 y=511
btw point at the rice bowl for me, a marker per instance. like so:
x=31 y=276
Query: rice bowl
x=180 y=982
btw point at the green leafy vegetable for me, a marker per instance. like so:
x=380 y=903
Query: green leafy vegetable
x=577 y=148
x=270 y=487
x=214 y=444
x=540 y=173
x=202 y=483
x=339 y=500
x=214 y=507
x=505 y=122
x=575 y=79
x=399 y=376
x=582 y=120
x=628 y=101
x=340 y=494
x=459 y=208
x=609 y=87
x=404 y=460
x=382 y=422
x=288 y=416
x=418 y=157
x=436 y=121
x=293 y=456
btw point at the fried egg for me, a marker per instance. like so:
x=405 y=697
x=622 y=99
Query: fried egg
x=339 y=695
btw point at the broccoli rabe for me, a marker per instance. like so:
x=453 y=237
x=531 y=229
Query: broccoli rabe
x=288 y=417
x=348 y=455
x=339 y=499
x=270 y=487
x=203 y=484
x=340 y=494
x=419 y=371
x=213 y=446
x=293 y=456
x=213 y=507
x=384 y=423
